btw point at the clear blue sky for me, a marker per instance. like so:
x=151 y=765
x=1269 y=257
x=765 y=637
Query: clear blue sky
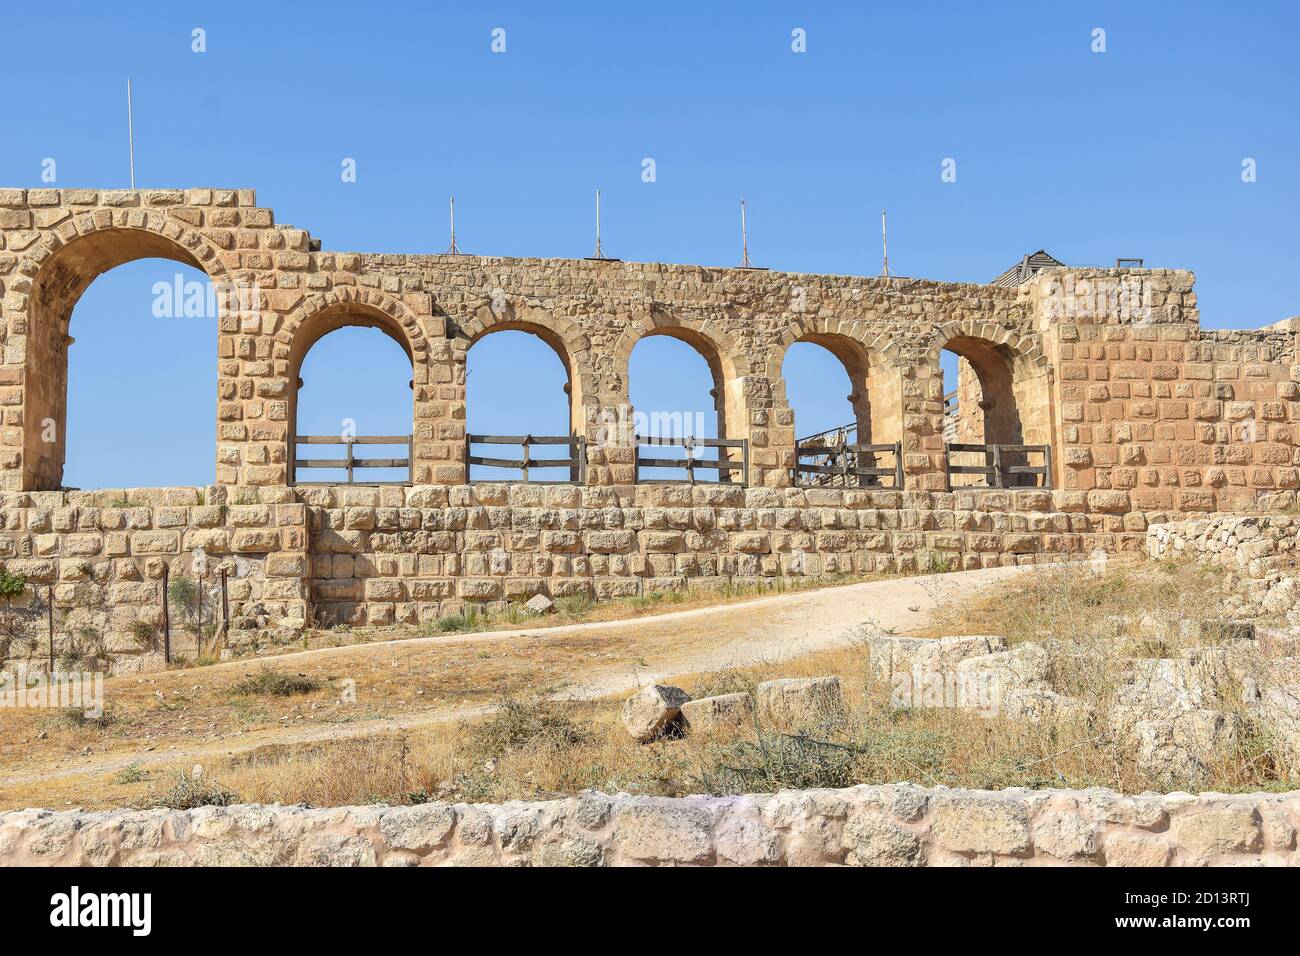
x=1133 y=152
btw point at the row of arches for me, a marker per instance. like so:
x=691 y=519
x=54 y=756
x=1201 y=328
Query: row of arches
x=359 y=357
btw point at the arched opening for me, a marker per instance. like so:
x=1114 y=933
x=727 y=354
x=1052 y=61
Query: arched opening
x=986 y=390
x=142 y=408
x=518 y=386
x=681 y=391
x=351 y=406
x=842 y=436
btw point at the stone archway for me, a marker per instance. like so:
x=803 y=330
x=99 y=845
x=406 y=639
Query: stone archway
x=345 y=307
x=53 y=275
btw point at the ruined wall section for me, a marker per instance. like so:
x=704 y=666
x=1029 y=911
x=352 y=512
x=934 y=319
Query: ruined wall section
x=1157 y=411
x=410 y=555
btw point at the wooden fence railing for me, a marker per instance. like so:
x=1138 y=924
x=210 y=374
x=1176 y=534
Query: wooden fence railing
x=350 y=462
x=576 y=462
x=722 y=464
x=836 y=465
x=1004 y=466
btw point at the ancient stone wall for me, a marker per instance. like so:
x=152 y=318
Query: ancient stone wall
x=898 y=825
x=380 y=555
x=1251 y=544
x=100 y=556
x=1110 y=367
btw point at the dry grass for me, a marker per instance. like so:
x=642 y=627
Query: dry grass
x=539 y=749
x=533 y=747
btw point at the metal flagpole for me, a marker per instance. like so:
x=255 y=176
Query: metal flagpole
x=744 y=238
x=130 y=131
x=599 y=252
x=884 y=242
x=453 y=251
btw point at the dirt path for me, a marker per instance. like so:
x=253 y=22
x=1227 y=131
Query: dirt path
x=580 y=661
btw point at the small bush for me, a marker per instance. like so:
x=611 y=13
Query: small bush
x=520 y=725
x=189 y=793
x=74 y=717
x=776 y=761
x=131 y=773
x=145 y=635
x=576 y=606
x=272 y=683
x=466 y=620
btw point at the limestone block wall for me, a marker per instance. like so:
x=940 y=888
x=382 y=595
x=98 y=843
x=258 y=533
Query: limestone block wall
x=384 y=555
x=101 y=556
x=1182 y=418
x=1110 y=367
x=897 y=825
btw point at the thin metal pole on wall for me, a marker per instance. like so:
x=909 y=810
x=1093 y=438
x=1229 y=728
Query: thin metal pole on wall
x=884 y=244
x=225 y=605
x=50 y=613
x=130 y=131
x=167 y=618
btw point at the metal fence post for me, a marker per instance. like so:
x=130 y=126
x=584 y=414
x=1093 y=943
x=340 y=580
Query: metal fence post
x=50 y=610
x=167 y=618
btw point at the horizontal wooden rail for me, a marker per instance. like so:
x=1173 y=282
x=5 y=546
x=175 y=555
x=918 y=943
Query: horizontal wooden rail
x=844 y=462
x=350 y=462
x=576 y=462
x=722 y=465
x=997 y=470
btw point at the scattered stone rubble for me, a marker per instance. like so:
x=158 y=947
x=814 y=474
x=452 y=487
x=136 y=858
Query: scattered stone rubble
x=1179 y=711
x=659 y=711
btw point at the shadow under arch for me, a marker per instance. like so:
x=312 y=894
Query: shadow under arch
x=60 y=273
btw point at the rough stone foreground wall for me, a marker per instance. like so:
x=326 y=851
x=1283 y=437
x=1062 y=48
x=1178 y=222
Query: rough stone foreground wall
x=897 y=825
x=103 y=555
x=380 y=555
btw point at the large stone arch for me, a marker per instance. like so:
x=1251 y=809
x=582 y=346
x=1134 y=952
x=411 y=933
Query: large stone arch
x=1004 y=383
x=52 y=275
x=729 y=365
x=564 y=337
x=355 y=307
x=869 y=358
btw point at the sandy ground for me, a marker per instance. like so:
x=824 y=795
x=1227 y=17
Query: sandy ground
x=188 y=716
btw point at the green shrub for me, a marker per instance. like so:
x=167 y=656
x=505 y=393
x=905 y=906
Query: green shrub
x=189 y=793
x=272 y=683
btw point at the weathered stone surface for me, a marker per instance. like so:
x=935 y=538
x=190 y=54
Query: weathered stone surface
x=978 y=825
x=724 y=713
x=652 y=711
x=1177 y=747
x=792 y=701
x=866 y=826
x=539 y=604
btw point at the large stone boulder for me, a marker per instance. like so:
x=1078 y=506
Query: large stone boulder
x=725 y=713
x=1175 y=750
x=794 y=701
x=991 y=677
x=895 y=655
x=653 y=711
